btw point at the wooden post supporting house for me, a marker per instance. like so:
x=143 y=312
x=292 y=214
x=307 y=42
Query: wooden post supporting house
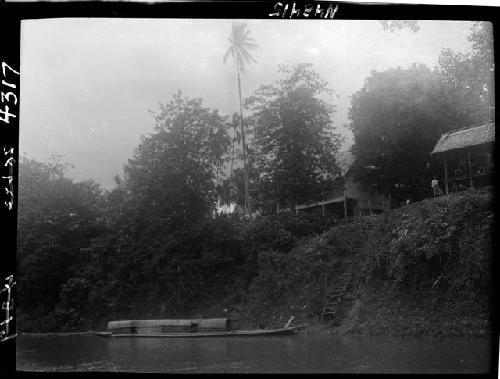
x=345 y=205
x=470 y=170
x=445 y=175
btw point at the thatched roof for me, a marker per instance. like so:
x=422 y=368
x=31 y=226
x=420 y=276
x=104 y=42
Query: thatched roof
x=467 y=137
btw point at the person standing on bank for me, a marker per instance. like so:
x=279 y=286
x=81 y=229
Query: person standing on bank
x=435 y=186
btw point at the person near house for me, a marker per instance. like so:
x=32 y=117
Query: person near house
x=435 y=186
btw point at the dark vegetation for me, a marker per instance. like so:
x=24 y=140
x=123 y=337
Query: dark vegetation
x=399 y=114
x=155 y=245
x=420 y=269
x=120 y=261
x=423 y=269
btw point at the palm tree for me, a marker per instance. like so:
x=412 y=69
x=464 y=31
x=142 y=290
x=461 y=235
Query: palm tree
x=235 y=138
x=240 y=44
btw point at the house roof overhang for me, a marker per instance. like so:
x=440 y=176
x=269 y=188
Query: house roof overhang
x=482 y=135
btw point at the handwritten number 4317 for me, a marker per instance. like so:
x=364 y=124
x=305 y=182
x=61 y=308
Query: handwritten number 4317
x=9 y=97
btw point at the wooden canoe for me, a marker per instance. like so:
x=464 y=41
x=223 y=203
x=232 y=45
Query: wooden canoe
x=233 y=333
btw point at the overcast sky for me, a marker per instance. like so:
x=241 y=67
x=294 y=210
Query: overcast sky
x=86 y=84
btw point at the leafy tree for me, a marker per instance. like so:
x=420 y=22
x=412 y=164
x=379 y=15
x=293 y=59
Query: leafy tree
x=169 y=187
x=241 y=43
x=56 y=219
x=294 y=136
x=397 y=118
x=468 y=78
x=173 y=172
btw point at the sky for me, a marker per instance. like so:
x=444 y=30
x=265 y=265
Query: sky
x=87 y=83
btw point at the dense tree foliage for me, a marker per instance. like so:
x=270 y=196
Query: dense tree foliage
x=396 y=118
x=85 y=256
x=399 y=114
x=294 y=137
x=173 y=171
x=56 y=217
x=468 y=79
x=152 y=239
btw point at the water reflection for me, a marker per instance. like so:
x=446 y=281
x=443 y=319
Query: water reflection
x=301 y=353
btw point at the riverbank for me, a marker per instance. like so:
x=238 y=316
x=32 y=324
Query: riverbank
x=420 y=270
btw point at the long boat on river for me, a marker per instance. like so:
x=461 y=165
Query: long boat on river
x=197 y=328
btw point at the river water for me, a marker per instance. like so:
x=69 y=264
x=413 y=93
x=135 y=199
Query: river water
x=299 y=353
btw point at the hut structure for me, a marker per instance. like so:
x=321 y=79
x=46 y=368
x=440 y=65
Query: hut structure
x=347 y=197
x=467 y=156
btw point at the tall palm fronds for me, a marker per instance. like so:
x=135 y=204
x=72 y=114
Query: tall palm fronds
x=240 y=43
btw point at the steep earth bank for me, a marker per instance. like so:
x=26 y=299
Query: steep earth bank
x=423 y=269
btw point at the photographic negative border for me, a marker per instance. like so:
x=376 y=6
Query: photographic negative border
x=12 y=13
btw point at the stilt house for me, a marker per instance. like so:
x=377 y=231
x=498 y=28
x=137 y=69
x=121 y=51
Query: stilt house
x=467 y=156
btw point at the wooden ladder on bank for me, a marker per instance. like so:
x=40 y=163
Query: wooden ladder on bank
x=336 y=292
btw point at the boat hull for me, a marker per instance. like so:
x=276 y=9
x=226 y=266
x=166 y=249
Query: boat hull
x=235 y=333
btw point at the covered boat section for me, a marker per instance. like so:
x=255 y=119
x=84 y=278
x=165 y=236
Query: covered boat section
x=169 y=326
